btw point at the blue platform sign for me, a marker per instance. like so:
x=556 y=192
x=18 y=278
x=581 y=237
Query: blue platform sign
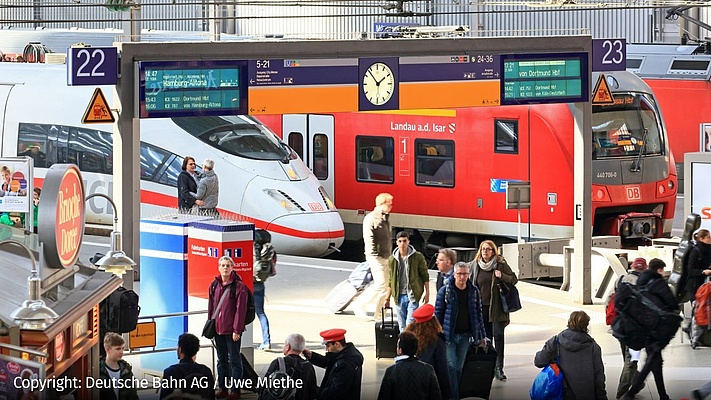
x=609 y=55
x=91 y=66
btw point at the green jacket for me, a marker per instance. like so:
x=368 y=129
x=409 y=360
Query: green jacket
x=125 y=374
x=417 y=271
x=496 y=310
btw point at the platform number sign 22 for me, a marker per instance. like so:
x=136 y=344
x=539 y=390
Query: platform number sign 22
x=609 y=55
x=92 y=66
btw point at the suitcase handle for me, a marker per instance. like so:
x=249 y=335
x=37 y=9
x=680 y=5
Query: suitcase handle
x=382 y=315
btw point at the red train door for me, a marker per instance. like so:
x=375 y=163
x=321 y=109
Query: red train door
x=311 y=136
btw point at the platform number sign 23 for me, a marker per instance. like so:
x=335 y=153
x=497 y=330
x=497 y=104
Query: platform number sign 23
x=609 y=55
x=92 y=66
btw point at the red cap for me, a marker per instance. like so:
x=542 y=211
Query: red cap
x=333 y=335
x=639 y=264
x=424 y=313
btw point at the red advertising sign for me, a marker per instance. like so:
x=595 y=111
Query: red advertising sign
x=61 y=216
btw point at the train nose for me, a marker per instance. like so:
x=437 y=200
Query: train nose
x=308 y=234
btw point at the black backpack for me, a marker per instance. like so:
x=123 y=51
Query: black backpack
x=197 y=383
x=119 y=312
x=680 y=271
x=286 y=375
x=264 y=255
x=251 y=310
x=640 y=320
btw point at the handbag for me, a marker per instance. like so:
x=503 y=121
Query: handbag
x=548 y=384
x=510 y=300
x=210 y=329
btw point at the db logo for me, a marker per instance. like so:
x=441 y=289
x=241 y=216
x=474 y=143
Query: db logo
x=633 y=193
x=705 y=212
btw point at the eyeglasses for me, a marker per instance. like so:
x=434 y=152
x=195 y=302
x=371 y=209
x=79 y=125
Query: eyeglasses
x=487 y=249
x=462 y=274
x=192 y=163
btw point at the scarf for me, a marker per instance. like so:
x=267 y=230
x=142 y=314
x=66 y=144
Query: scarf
x=487 y=266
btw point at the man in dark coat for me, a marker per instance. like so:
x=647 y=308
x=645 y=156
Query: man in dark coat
x=296 y=367
x=192 y=377
x=656 y=285
x=409 y=378
x=343 y=364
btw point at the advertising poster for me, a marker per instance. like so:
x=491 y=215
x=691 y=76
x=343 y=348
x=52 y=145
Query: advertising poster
x=20 y=379
x=705 y=138
x=15 y=185
x=701 y=195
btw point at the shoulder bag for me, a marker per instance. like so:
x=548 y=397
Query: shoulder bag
x=548 y=384
x=210 y=330
x=510 y=300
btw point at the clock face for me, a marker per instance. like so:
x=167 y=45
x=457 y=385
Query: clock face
x=378 y=84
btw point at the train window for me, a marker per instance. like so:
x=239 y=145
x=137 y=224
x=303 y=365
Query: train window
x=320 y=146
x=32 y=142
x=169 y=176
x=434 y=162
x=91 y=149
x=239 y=136
x=375 y=161
x=296 y=142
x=505 y=136
x=151 y=159
x=628 y=128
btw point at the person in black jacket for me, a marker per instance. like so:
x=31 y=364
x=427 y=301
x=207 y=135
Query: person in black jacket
x=343 y=364
x=656 y=285
x=190 y=376
x=187 y=183
x=297 y=368
x=409 y=378
x=699 y=262
x=430 y=345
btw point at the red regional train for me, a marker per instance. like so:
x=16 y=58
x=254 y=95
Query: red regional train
x=448 y=169
x=680 y=76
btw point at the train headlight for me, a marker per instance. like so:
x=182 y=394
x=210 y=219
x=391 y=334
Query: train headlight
x=326 y=199
x=287 y=203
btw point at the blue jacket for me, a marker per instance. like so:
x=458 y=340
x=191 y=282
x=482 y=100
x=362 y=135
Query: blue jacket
x=446 y=310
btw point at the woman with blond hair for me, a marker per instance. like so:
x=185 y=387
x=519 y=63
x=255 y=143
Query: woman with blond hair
x=489 y=272
x=579 y=358
x=431 y=348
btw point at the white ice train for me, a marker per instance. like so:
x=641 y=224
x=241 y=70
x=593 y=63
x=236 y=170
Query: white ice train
x=261 y=178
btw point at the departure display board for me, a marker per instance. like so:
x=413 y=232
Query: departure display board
x=544 y=78
x=191 y=88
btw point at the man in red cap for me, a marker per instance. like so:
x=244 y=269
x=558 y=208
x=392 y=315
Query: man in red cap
x=629 y=368
x=343 y=364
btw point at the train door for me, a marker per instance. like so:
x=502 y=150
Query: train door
x=311 y=136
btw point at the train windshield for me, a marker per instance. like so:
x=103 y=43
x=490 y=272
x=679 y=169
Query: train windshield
x=239 y=136
x=628 y=128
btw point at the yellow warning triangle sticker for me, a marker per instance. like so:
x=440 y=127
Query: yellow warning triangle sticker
x=602 y=93
x=98 y=111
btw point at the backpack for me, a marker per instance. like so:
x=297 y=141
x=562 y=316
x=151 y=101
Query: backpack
x=286 y=378
x=610 y=310
x=703 y=305
x=640 y=320
x=119 y=312
x=251 y=310
x=680 y=271
x=264 y=261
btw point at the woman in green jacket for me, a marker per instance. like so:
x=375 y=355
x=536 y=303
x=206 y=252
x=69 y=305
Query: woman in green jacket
x=489 y=270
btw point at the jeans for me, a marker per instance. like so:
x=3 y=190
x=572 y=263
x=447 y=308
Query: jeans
x=229 y=360
x=495 y=331
x=457 y=349
x=259 y=308
x=405 y=308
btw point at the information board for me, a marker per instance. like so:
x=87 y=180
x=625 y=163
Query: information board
x=544 y=78
x=191 y=88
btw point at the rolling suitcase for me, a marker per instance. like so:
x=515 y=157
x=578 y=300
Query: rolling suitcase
x=386 y=333
x=340 y=296
x=478 y=372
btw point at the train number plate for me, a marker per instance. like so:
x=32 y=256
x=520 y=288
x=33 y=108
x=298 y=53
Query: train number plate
x=633 y=193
